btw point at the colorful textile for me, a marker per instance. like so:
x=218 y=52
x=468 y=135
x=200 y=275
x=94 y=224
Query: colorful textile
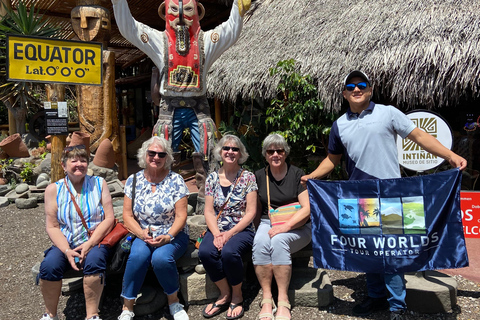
x=235 y=208
x=157 y=209
x=284 y=213
x=388 y=226
x=89 y=201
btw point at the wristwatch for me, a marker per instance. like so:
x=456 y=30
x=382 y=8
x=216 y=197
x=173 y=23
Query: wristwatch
x=171 y=237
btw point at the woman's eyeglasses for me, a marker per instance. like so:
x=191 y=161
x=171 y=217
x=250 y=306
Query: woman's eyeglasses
x=152 y=154
x=360 y=85
x=70 y=148
x=278 y=151
x=227 y=148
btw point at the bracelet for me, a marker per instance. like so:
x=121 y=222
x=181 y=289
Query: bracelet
x=66 y=251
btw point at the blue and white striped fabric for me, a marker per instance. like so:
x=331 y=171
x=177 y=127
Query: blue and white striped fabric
x=89 y=202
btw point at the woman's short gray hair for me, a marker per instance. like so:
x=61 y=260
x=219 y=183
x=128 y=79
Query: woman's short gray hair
x=155 y=140
x=217 y=151
x=274 y=139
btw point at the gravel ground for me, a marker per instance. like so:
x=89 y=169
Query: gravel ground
x=23 y=239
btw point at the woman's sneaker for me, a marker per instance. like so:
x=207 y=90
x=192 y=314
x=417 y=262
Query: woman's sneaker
x=176 y=310
x=94 y=318
x=46 y=316
x=126 y=315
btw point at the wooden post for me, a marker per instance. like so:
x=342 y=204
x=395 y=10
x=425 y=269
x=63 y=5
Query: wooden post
x=218 y=112
x=56 y=93
x=123 y=148
x=12 y=126
x=12 y=123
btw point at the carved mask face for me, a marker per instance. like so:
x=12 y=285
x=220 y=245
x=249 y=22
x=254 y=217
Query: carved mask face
x=183 y=13
x=182 y=20
x=91 y=23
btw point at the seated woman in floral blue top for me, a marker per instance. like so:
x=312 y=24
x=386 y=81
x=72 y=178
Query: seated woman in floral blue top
x=159 y=221
x=231 y=193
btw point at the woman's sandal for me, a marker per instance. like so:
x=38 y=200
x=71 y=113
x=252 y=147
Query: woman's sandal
x=232 y=307
x=267 y=315
x=286 y=305
x=221 y=308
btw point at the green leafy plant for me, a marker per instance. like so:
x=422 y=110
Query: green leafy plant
x=42 y=144
x=298 y=114
x=18 y=96
x=27 y=172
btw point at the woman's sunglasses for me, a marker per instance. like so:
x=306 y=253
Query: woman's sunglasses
x=234 y=149
x=70 y=148
x=278 y=151
x=360 y=85
x=152 y=154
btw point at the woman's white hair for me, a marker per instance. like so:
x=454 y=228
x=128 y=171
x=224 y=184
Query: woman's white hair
x=217 y=151
x=155 y=140
x=276 y=140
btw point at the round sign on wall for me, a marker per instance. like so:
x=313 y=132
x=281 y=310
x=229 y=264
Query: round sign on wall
x=410 y=154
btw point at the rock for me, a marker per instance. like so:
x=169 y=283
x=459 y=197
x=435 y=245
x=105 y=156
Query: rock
x=40 y=196
x=200 y=269
x=196 y=225
x=189 y=258
x=107 y=174
x=26 y=203
x=198 y=288
x=30 y=141
x=42 y=177
x=44 y=167
x=310 y=287
x=118 y=213
x=21 y=188
x=157 y=299
x=43 y=184
x=4 y=189
x=12 y=195
x=4 y=202
x=430 y=292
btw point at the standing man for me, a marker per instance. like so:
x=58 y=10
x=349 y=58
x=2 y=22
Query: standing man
x=367 y=134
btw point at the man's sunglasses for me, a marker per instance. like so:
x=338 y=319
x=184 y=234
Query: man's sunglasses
x=70 y=148
x=360 y=85
x=278 y=151
x=152 y=154
x=227 y=148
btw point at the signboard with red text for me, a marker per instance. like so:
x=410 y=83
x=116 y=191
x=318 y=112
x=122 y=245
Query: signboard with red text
x=470 y=205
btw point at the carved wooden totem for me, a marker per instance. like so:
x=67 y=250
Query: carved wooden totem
x=97 y=109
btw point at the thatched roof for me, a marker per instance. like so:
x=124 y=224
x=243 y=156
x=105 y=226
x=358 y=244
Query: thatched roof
x=145 y=11
x=419 y=53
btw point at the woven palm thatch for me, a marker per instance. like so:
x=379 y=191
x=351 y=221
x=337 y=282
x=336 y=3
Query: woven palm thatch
x=419 y=53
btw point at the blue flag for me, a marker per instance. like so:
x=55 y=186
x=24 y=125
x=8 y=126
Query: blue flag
x=390 y=225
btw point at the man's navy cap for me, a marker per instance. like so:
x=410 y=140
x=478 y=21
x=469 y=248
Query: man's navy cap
x=356 y=73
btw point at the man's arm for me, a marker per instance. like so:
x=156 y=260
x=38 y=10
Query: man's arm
x=432 y=145
x=324 y=168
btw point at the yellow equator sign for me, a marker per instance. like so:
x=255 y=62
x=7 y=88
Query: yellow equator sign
x=49 y=60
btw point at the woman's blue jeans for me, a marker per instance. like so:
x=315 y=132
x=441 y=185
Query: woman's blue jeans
x=163 y=261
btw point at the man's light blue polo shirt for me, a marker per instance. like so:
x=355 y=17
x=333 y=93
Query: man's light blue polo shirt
x=368 y=141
